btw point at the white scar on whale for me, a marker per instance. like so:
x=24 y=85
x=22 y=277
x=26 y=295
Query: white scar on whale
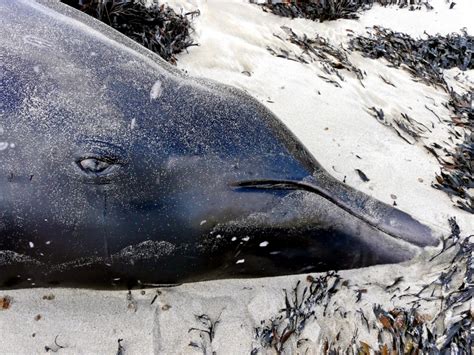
x=156 y=90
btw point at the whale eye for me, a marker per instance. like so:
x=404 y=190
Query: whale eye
x=94 y=165
x=99 y=162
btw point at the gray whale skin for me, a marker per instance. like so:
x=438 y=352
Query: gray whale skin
x=117 y=170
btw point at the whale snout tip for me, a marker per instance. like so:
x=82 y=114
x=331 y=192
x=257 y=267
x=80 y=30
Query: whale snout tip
x=411 y=230
x=428 y=237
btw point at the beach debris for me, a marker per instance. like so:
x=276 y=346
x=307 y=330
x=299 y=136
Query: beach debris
x=121 y=349
x=327 y=10
x=332 y=60
x=49 y=297
x=158 y=292
x=409 y=129
x=300 y=306
x=207 y=332
x=395 y=283
x=386 y=81
x=330 y=81
x=131 y=302
x=55 y=347
x=456 y=177
x=403 y=330
x=379 y=115
x=363 y=319
x=37 y=317
x=5 y=302
x=434 y=113
x=436 y=319
x=359 y=293
x=426 y=59
x=362 y=175
x=455 y=302
x=155 y=26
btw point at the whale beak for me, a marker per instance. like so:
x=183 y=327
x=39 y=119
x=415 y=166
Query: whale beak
x=381 y=216
x=378 y=215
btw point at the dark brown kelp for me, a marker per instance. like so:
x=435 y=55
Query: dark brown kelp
x=327 y=10
x=457 y=176
x=409 y=331
x=206 y=331
x=406 y=327
x=426 y=60
x=300 y=305
x=156 y=27
x=332 y=59
x=407 y=128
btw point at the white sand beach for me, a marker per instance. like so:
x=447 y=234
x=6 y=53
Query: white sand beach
x=334 y=123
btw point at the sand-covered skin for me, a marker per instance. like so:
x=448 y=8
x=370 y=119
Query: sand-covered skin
x=335 y=125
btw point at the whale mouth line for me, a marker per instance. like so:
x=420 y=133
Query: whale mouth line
x=294 y=185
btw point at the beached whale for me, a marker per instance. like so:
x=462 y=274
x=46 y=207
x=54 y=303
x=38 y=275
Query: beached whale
x=118 y=170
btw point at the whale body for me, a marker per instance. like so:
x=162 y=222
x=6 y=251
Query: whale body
x=118 y=170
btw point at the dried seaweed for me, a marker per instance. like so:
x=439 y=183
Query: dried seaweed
x=426 y=60
x=120 y=349
x=408 y=329
x=401 y=329
x=300 y=306
x=362 y=175
x=333 y=60
x=457 y=177
x=327 y=10
x=407 y=128
x=207 y=332
x=157 y=27
x=55 y=347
